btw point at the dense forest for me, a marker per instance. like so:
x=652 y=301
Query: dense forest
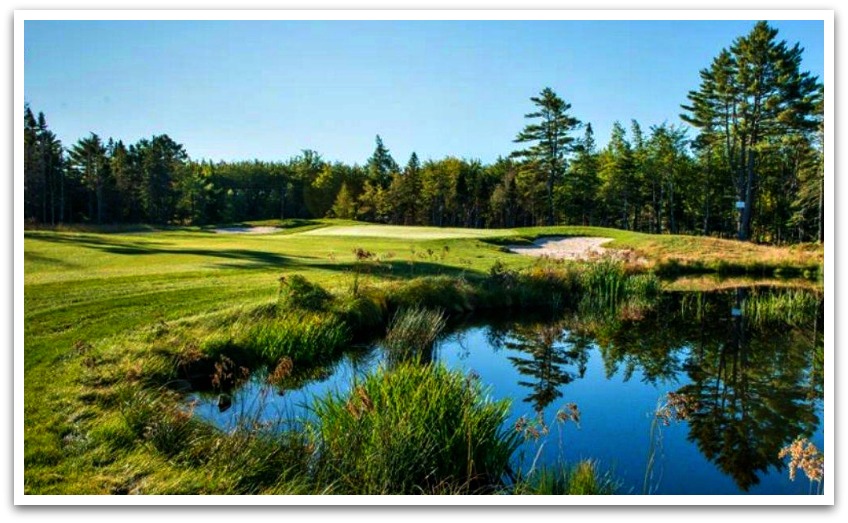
x=749 y=163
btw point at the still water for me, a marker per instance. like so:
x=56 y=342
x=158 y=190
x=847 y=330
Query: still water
x=750 y=384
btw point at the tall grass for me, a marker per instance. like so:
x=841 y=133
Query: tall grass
x=793 y=306
x=305 y=338
x=580 y=479
x=250 y=459
x=412 y=333
x=608 y=286
x=414 y=429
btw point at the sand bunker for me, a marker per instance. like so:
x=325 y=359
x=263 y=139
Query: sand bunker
x=247 y=230
x=563 y=248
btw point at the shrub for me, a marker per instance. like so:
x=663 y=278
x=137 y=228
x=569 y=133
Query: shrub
x=433 y=292
x=363 y=314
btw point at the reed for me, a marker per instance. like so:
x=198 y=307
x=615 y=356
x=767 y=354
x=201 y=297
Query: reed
x=580 y=479
x=412 y=333
x=305 y=338
x=414 y=429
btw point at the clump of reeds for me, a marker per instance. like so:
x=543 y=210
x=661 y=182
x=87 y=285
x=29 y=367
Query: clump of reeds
x=414 y=429
x=607 y=285
x=300 y=337
x=793 y=306
x=580 y=479
x=251 y=458
x=412 y=332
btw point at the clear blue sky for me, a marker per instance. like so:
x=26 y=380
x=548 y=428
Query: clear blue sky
x=268 y=89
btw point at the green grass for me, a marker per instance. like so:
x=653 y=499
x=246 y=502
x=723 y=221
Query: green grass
x=412 y=333
x=126 y=306
x=415 y=429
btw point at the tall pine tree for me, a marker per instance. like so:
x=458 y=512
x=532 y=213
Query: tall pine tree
x=549 y=142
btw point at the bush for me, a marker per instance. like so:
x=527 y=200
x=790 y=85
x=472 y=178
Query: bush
x=415 y=429
x=363 y=314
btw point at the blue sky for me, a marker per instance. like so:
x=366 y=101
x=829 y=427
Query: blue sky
x=268 y=89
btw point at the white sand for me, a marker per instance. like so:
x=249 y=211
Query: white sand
x=247 y=230
x=576 y=248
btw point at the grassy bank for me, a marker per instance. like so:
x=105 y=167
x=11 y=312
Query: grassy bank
x=113 y=321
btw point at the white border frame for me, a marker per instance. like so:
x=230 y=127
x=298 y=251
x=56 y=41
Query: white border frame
x=827 y=16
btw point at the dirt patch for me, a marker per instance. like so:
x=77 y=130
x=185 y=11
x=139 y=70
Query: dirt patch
x=247 y=230
x=563 y=248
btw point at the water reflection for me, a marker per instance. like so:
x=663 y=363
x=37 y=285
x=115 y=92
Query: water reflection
x=549 y=359
x=753 y=386
x=752 y=381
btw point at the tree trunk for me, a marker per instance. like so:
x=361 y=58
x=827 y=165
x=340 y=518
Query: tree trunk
x=550 y=196
x=820 y=234
x=747 y=212
x=61 y=195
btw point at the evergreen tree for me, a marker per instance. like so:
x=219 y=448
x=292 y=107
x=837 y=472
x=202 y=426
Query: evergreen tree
x=159 y=158
x=550 y=142
x=750 y=94
x=381 y=165
x=345 y=205
x=88 y=158
x=579 y=193
x=617 y=173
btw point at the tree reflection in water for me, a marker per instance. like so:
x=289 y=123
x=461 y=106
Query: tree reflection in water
x=753 y=385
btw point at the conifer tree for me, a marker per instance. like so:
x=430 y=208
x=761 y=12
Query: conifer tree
x=550 y=142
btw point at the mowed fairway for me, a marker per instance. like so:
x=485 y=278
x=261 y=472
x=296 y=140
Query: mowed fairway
x=84 y=286
x=407 y=232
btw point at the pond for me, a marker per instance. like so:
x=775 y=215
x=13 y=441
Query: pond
x=695 y=394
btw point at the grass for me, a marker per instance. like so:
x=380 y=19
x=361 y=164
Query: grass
x=415 y=429
x=412 y=333
x=129 y=306
x=580 y=479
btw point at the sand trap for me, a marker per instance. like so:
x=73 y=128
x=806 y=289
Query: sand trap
x=247 y=230
x=558 y=247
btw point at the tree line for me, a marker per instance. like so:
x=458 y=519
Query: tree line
x=753 y=169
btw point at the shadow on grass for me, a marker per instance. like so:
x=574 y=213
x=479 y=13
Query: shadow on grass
x=257 y=259
x=398 y=269
x=290 y=223
x=31 y=257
